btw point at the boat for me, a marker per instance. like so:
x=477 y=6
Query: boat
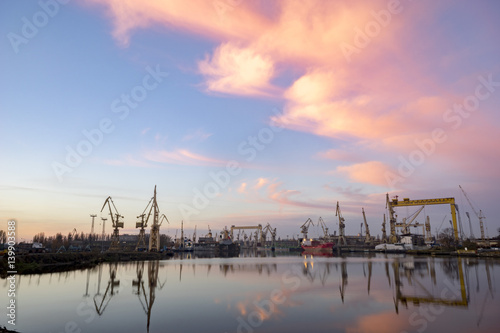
x=206 y=244
x=226 y=245
x=317 y=245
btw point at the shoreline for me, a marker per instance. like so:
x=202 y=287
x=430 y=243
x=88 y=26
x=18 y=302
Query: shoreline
x=39 y=263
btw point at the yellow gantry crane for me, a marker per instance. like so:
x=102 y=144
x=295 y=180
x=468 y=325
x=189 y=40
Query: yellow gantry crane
x=391 y=204
x=115 y=219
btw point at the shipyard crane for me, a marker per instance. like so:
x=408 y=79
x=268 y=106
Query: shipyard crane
x=405 y=224
x=479 y=215
x=428 y=235
x=141 y=240
x=391 y=204
x=384 y=234
x=305 y=227
x=154 y=237
x=470 y=226
x=392 y=220
x=325 y=229
x=341 y=240
x=368 y=237
x=272 y=231
x=142 y=224
x=115 y=219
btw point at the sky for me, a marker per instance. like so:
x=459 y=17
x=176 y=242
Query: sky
x=247 y=112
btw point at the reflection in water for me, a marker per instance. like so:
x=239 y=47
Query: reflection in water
x=343 y=268
x=112 y=283
x=282 y=293
x=414 y=274
x=147 y=299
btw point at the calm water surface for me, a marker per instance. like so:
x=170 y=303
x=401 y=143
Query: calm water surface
x=265 y=294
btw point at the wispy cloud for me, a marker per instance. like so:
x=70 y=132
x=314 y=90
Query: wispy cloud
x=128 y=160
x=198 y=135
x=183 y=157
x=272 y=191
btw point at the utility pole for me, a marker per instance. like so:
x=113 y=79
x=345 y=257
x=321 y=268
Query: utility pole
x=93 y=216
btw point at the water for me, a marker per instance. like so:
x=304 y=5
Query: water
x=270 y=294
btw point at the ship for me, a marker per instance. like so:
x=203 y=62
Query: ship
x=317 y=245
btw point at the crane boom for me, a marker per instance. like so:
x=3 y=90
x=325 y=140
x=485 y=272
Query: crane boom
x=305 y=227
x=479 y=215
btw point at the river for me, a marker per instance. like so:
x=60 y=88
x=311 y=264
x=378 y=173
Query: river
x=296 y=293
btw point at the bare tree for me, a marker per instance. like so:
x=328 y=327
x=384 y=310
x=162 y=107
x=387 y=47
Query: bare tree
x=446 y=237
x=3 y=237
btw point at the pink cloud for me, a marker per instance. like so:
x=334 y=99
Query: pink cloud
x=236 y=70
x=373 y=172
x=339 y=155
x=196 y=16
x=260 y=183
x=291 y=197
x=242 y=188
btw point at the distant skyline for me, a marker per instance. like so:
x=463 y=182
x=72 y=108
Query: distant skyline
x=247 y=112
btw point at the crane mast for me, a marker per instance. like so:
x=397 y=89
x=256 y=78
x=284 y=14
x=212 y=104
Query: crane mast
x=470 y=226
x=154 y=237
x=368 y=237
x=384 y=234
x=428 y=235
x=325 y=229
x=341 y=240
x=479 y=215
x=392 y=221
